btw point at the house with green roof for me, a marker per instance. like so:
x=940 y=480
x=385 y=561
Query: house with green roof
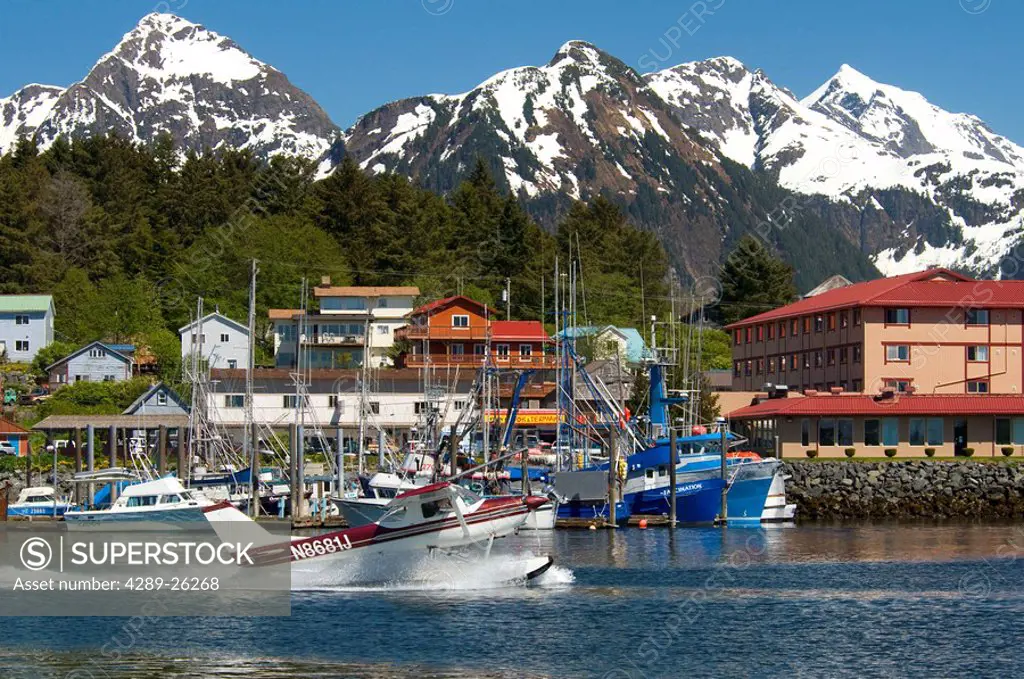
x=610 y=340
x=26 y=325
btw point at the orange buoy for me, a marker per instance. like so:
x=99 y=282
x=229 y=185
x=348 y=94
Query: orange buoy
x=643 y=523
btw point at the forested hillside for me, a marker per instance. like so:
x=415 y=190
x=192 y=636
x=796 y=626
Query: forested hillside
x=126 y=237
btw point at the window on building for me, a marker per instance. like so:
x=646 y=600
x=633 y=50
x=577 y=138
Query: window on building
x=21 y=345
x=422 y=407
x=843 y=355
x=197 y=338
x=890 y=431
x=819 y=323
x=897 y=316
x=161 y=398
x=383 y=329
x=479 y=349
x=96 y=353
x=232 y=364
x=872 y=432
x=771 y=366
x=794 y=327
x=289 y=401
x=782 y=364
x=747 y=368
x=805 y=432
x=21 y=320
x=771 y=330
x=382 y=303
x=760 y=333
x=807 y=324
x=737 y=369
x=759 y=368
x=817 y=359
x=332 y=400
x=977 y=317
x=856 y=353
x=897 y=353
x=977 y=353
x=374 y=407
x=844 y=319
x=936 y=433
x=844 y=431
x=794 y=362
x=747 y=335
x=234 y=400
x=856 y=316
x=807 y=359
x=898 y=385
x=224 y=337
x=831 y=321
x=917 y=431
x=826 y=431
x=737 y=336
x=1018 y=430
x=1003 y=437
x=457 y=350
x=525 y=351
x=856 y=385
x=782 y=328
x=831 y=356
x=977 y=386
x=502 y=351
x=110 y=378
x=460 y=321
x=458 y=405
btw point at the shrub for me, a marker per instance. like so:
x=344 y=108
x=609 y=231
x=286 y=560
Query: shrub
x=850 y=452
x=1007 y=451
x=929 y=452
x=812 y=453
x=890 y=452
x=968 y=452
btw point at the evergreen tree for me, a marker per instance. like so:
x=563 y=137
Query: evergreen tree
x=753 y=281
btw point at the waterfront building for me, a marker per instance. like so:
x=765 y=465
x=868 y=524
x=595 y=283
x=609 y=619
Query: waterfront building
x=223 y=342
x=353 y=323
x=26 y=325
x=459 y=331
x=159 y=399
x=95 y=362
x=911 y=424
x=14 y=435
x=933 y=331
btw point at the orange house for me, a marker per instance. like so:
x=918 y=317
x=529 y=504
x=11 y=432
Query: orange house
x=460 y=331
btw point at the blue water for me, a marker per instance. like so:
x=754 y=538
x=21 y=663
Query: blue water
x=901 y=600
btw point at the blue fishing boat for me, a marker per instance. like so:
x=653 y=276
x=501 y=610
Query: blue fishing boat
x=39 y=501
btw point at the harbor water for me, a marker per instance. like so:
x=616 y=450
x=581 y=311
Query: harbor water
x=851 y=600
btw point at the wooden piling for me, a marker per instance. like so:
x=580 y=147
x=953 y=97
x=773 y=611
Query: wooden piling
x=161 y=450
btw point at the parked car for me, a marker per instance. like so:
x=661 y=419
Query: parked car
x=7 y=448
x=37 y=395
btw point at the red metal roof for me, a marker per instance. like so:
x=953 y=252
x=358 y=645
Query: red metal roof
x=900 y=404
x=916 y=288
x=8 y=427
x=447 y=301
x=518 y=330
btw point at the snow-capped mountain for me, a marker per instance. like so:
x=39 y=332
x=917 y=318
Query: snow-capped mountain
x=23 y=112
x=171 y=75
x=875 y=146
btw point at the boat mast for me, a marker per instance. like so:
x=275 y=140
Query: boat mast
x=250 y=443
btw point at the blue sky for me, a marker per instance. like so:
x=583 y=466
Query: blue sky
x=351 y=56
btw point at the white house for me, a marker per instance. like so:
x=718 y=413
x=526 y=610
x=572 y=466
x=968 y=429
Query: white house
x=223 y=343
x=353 y=322
x=95 y=362
x=26 y=325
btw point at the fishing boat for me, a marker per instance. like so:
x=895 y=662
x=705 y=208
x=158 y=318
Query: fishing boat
x=163 y=500
x=39 y=501
x=439 y=517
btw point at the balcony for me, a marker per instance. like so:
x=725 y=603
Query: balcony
x=422 y=332
x=332 y=340
x=473 y=361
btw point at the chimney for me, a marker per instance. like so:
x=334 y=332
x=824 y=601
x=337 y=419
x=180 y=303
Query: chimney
x=810 y=392
x=325 y=281
x=836 y=390
x=886 y=394
x=910 y=389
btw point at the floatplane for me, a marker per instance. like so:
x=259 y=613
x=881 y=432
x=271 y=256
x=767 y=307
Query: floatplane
x=425 y=522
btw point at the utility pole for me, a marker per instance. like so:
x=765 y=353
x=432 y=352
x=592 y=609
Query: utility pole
x=508 y=299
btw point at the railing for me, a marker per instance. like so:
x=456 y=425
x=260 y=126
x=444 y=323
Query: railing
x=511 y=361
x=415 y=332
x=333 y=340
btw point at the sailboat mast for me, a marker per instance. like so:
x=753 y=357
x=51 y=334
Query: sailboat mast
x=250 y=443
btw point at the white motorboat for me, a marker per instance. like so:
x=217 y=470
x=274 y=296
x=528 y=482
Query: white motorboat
x=39 y=501
x=164 y=500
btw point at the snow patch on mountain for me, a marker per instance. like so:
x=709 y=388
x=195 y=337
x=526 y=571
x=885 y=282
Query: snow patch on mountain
x=23 y=112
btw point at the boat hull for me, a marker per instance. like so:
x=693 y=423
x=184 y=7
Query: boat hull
x=179 y=517
x=36 y=509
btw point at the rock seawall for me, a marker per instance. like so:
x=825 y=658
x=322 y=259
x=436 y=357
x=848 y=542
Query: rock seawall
x=918 y=488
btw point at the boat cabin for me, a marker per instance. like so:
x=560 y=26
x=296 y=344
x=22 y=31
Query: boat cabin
x=436 y=502
x=36 y=495
x=158 y=493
